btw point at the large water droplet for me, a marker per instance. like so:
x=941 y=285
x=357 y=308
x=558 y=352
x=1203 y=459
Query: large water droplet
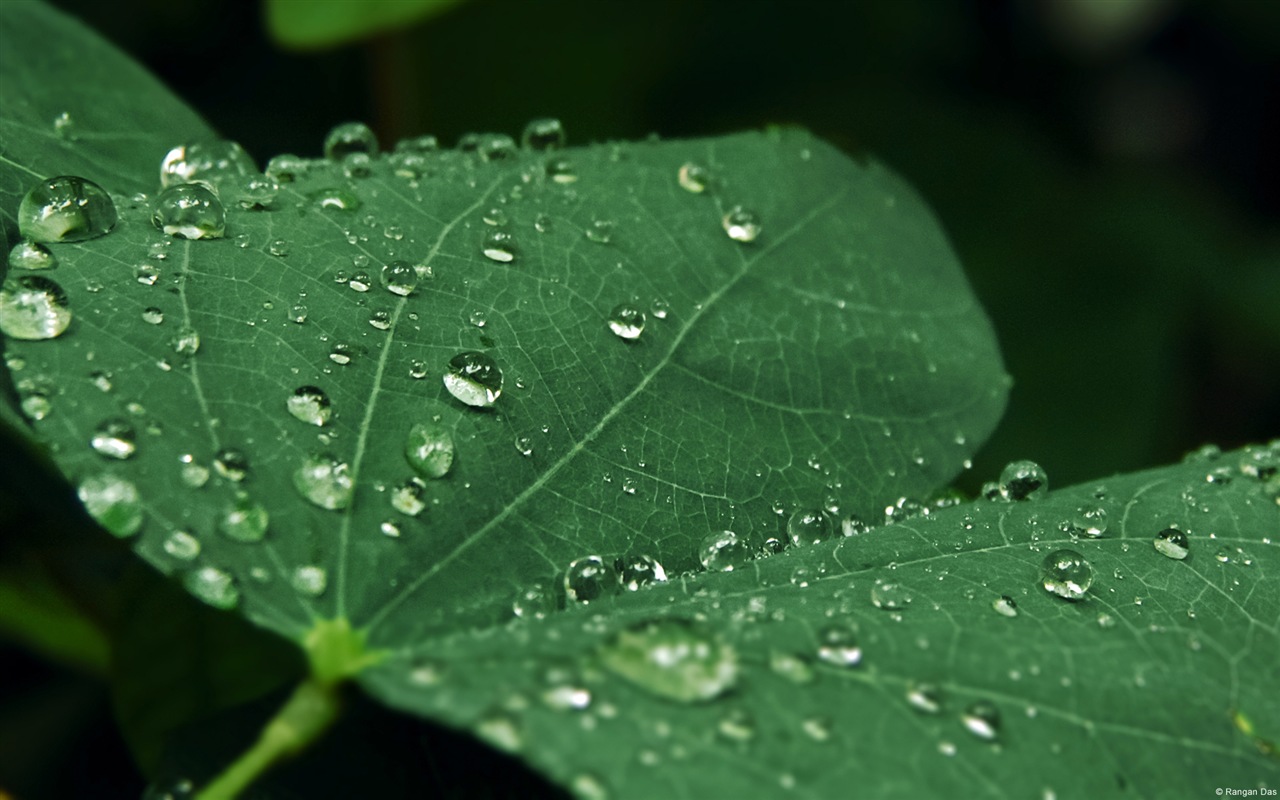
x=213 y=586
x=600 y=231
x=982 y=719
x=33 y=307
x=114 y=438
x=543 y=134
x=626 y=321
x=348 y=138
x=216 y=163
x=1173 y=543
x=639 y=570
x=66 y=209
x=27 y=254
x=810 y=526
x=190 y=211
x=429 y=449
x=400 y=277
x=1023 y=480
x=244 y=519
x=310 y=405
x=838 y=645
x=474 y=378
x=325 y=481
x=586 y=579
x=672 y=658
x=114 y=502
x=722 y=551
x=741 y=224
x=1067 y=574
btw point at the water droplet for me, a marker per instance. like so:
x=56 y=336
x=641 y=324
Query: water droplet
x=190 y=211
x=1023 y=480
x=340 y=353
x=410 y=497
x=152 y=315
x=672 y=658
x=534 y=602
x=429 y=449
x=586 y=579
x=741 y=225
x=114 y=438
x=499 y=246
x=1173 y=543
x=639 y=570
x=722 y=551
x=600 y=231
x=817 y=728
x=244 y=519
x=626 y=321
x=33 y=307
x=114 y=502
x=561 y=170
x=213 y=586
x=477 y=318
x=418 y=369
x=325 y=481
x=311 y=405
x=1089 y=521
x=474 y=379
x=1005 y=606
x=348 y=138
x=298 y=313
x=381 y=320
x=256 y=192
x=286 y=168
x=27 y=254
x=543 y=134
x=360 y=282
x=231 y=464
x=810 y=526
x=400 y=277
x=182 y=545
x=146 y=274
x=310 y=580
x=193 y=473
x=925 y=698
x=737 y=726
x=186 y=342
x=524 y=446
x=64 y=126
x=278 y=248
x=66 y=209
x=214 y=163
x=791 y=667
x=982 y=719
x=694 y=178
x=1067 y=574
x=890 y=596
x=588 y=787
x=838 y=645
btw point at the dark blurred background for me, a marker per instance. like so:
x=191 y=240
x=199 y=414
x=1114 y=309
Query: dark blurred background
x=1108 y=171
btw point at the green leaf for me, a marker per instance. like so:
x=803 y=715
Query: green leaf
x=1158 y=681
x=302 y=24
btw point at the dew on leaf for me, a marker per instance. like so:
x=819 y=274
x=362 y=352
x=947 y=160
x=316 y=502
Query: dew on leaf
x=693 y=177
x=524 y=446
x=660 y=308
x=535 y=601
x=838 y=645
x=190 y=211
x=982 y=719
x=114 y=438
x=193 y=473
x=418 y=369
x=817 y=728
x=310 y=580
x=474 y=378
x=380 y=320
x=925 y=698
x=1005 y=606
x=675 y=659
x=600 y=231
x=186 y=342
x=567 y=697
x=33 y=308
x=561 y=170
x=309 y=404
x=231 y=464
x=152 y=315
x=791 y=667
x=429 y=449
x=722 y=551
x=1023 y=480
x=810 y=526
x=360 y=282
x=1172 y=543
x=347 y=138
x=1067 y=574
x=741 y=224
x=626 y=321
x=890 y=595
x=638 y=571
x=400 y=277
x=586 y=579
x=278 y=248
x=182 y=545
x=737 y=726
x=286 y=168
x=1089 y=521
x=298 y=313
x=546 y=133
x=501 y=731
x=325 y=481
x=213 y=586
x=499 y=246
x=27 y=254
x=244 y=519
x=66 y=209
x=495 y=147
x=146 y=274
x=215 y=163
x=113 y=502
x=256 y=192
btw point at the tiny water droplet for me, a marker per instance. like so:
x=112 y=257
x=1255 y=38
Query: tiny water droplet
x=672 y=658
x=817 y=728
x=660 y=309
x=925 y=698
x=1023 y=480
x=400 y=277
x=626 y=321
x=380 y=320
x=741 y=224
x=190 y=211
x=193 y=473
x=286 y=168
x=410 y=497
x=1089 y=521
x=499 y=246
x=114 y=438
x=113 y=502
x=693 y=178
x=231 y=464
x=64 y=126
x=1172 y=543
x=27 y=254
x=838 y=645
x=638 y=571
x=33 y=308
x=278 y=248
x=310 y=580
x=562 y=171
x=524 y=446
x=737 y=726
x=66 y=209
x=1067 y=574
x=477 y=318
x=534 y=602
x=347 y=138
x=310 y=404
x=146 y=274
x=325 y=481
x=600 y=231
x=982 y=719
x=429 y=449
x=213 y=586
x=543 y=134
x=418 y=369
x=723 y=551
x=1005 y=606
x=586 y=579
x=474 y=378
x=298 y=313
x=495 y=216
x=790 y=667
x=890 y=595
x=340 y=353
x=244 y=519
x=182 y=545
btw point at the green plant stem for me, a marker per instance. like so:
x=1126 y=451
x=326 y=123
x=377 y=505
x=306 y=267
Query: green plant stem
x=306 y=715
